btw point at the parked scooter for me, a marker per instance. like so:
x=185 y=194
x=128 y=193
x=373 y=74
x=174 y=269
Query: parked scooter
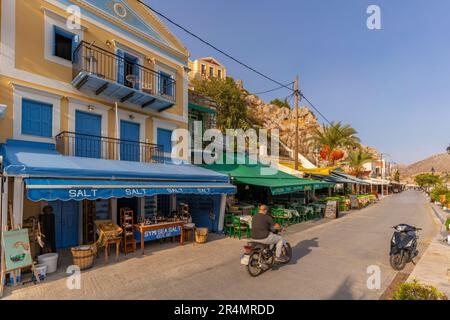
x=403 y=246
x=259 y=257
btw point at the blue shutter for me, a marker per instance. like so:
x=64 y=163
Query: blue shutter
x=129 y=131
x=164 y=138
x=120 y=66
x=75 y=43
x=54 y=41
x=137 y=74
x=37 y=118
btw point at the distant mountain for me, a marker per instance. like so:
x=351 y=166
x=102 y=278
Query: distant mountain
x=440 y=163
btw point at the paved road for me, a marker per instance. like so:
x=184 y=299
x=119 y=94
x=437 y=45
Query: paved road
x=330 y=262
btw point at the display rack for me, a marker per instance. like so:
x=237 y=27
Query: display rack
x=89 y=216
x=126 y=222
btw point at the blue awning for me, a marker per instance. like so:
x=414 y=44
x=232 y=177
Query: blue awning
x=42 y=160
x=61 y=189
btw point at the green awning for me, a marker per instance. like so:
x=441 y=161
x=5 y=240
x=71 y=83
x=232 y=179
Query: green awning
x=256 y=174
x=201 y=108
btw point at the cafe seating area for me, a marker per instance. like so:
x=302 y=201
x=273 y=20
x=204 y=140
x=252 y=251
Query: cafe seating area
x=238 y=219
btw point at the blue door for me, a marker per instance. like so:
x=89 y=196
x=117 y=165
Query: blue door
x=88 y=129
x=66 y=223
x=129 y=144
x=164 y=138
x=127 y=69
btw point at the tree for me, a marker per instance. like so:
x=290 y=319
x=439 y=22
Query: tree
x=280 y=103
x=448 y=149
x=426 y=180
x=356 y=160
x=231 y=107
x=330 y=138
x=396 y=176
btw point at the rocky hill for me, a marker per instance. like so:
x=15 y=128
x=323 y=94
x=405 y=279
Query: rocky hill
x=274 y=117
x=440 y=163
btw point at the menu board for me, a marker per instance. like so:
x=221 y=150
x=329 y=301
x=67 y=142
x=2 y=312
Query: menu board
x=17 y=249
x=331 y=210
x=354 y=202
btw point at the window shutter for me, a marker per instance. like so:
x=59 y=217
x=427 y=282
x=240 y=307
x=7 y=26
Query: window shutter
x=37 y=118
x=75 y=43
x=46 y=120
x=120 y=66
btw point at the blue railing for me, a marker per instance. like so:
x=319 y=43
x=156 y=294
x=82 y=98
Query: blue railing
x=110 y=66
x=91 y=146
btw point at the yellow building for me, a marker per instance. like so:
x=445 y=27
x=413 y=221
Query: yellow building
x=207 y=67
x=98 y=79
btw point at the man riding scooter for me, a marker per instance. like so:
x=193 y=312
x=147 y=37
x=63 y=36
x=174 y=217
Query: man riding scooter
x=264 y=230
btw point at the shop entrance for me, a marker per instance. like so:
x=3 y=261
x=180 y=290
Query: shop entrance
x=66 y=223
x=131 y=203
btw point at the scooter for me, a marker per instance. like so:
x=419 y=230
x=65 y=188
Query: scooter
x=403 y=246
x=259 y=257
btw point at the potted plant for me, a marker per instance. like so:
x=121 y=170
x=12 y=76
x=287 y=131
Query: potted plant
x=447 y=226
x=417 y=291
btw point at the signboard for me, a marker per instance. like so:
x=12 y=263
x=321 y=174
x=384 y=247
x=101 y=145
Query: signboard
x=16 y=246
x=160 y=233
x=331 y=210
x=354 y=202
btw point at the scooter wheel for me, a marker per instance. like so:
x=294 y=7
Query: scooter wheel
x=397 y=261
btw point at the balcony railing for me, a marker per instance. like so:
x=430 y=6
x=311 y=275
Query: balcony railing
x=112 y=68
x=91 y=146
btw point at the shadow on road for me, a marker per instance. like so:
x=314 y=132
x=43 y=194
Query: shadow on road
x=303 y=248
x=344 y=291
x=300 y=250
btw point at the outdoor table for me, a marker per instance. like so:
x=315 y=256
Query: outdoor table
x=108 y=242
x=159 y=231
x=247 y=219
x=235 y=212
x=291 y=213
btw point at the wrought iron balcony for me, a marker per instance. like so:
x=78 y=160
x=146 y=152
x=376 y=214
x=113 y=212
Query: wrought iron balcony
x=99 y=72
x=90 y=146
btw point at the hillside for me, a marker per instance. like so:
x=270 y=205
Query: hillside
x=274 y=117
x=440 y=163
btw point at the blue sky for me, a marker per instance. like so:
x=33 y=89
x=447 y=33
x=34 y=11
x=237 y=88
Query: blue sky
x=392 y=85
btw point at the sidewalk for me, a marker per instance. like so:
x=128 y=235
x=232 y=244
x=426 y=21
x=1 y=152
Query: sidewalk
x=434 y=266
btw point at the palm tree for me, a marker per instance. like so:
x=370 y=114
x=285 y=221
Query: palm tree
x=334 y=136
x=356 y=160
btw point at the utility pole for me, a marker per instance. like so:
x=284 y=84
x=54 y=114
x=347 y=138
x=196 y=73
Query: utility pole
x=297 y=98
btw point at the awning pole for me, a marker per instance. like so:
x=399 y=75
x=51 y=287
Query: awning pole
x=117 y=130
x=3 y=226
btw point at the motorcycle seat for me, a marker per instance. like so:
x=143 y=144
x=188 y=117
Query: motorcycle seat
x=259 y=244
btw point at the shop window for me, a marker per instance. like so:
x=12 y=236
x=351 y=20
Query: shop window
x=64 y=43
x=163 y=204
x=37 y=118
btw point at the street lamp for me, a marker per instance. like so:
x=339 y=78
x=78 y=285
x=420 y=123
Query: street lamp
x=383 y=171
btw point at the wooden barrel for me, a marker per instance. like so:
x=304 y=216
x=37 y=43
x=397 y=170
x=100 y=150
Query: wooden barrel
x=83 y=256
x=201 y=234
